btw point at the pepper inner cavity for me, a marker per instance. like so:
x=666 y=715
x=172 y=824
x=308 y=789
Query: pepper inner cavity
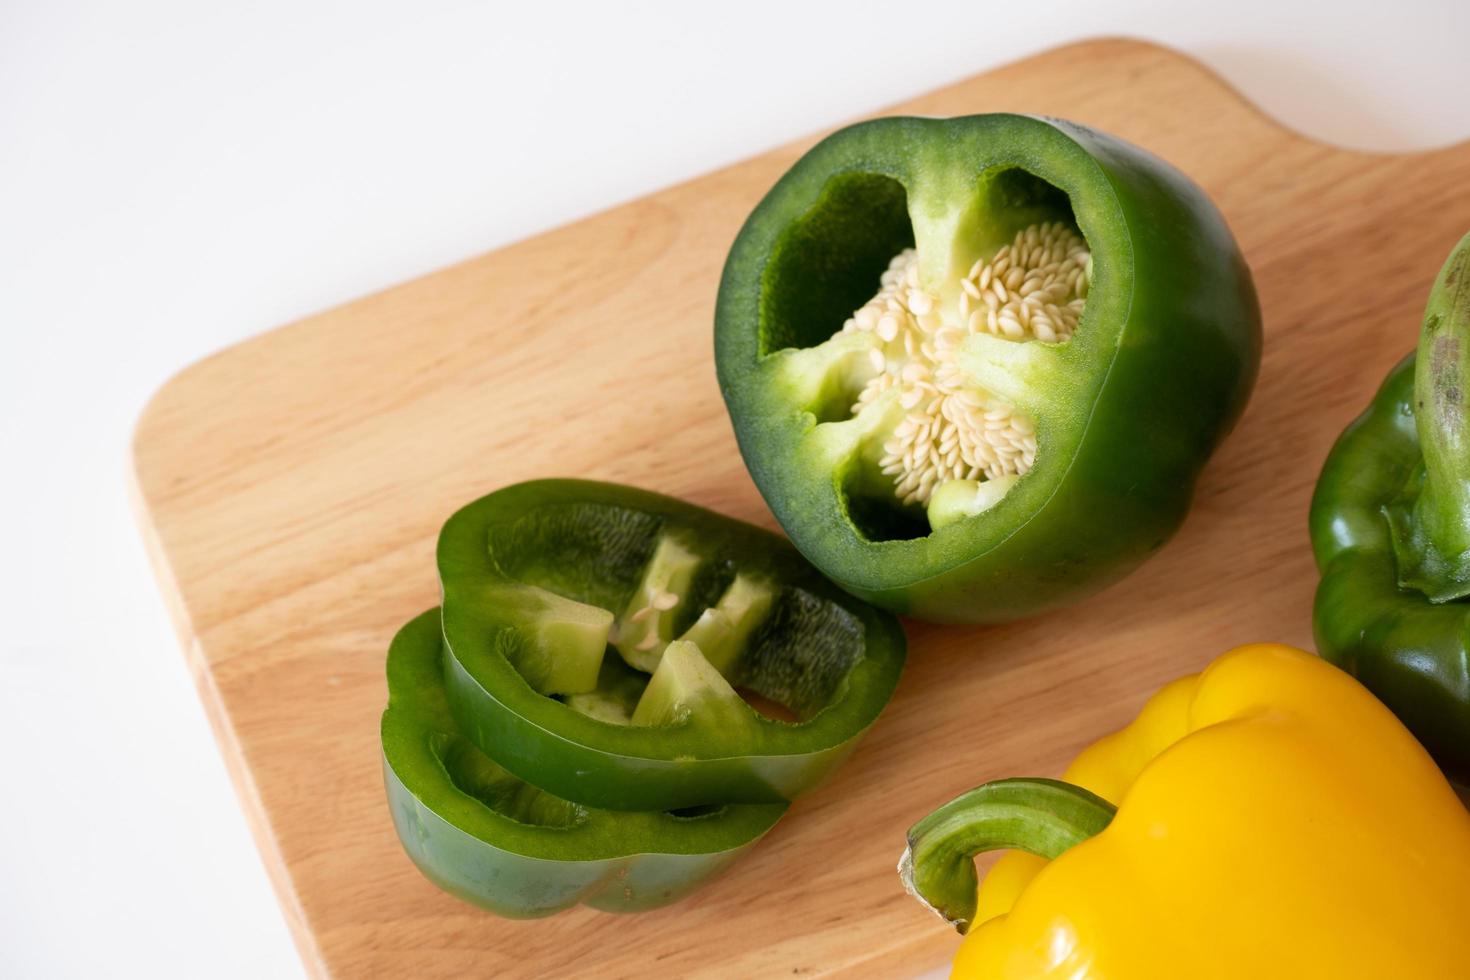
x=687 y=625
x=589 y=599
x=950 y=435
x=475 y=775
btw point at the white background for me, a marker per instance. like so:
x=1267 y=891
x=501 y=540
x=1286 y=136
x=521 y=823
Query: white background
x=176 y=176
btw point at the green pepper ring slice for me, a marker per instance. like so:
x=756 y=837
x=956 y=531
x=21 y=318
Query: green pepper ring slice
x=697 y=761
x=1125 y=412
x=449 y=805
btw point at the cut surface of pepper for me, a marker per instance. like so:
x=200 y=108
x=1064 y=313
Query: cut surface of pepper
x=486 y=836
x=1273 y=820
x=1390 y=526
x=975 y=365
x=661 y=614
x=953 y=434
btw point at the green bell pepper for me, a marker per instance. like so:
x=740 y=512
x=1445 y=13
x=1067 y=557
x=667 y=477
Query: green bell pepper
x=976 y=365
x=599 y=638
x=1390 y=525
x=480 y=833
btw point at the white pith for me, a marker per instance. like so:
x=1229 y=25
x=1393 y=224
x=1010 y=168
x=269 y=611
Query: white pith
x=1032 y=289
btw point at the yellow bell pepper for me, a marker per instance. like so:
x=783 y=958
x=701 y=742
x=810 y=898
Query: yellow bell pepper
x=1273 y=820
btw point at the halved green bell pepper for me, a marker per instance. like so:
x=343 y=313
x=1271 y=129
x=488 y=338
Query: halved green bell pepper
x=1390 y=523
x=670 y=610
x=976 y=365
x=482 y=834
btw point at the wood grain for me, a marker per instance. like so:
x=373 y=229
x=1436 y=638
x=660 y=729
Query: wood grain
x=291 y=489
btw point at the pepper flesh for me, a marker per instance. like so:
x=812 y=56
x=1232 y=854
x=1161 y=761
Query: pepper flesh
x=828 y=658
x=1388 y=524
x=485 y=836
x=1273 y=820
x=1125 y=411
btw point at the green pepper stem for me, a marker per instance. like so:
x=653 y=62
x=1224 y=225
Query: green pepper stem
x=1434 y=547
x=1044 y=817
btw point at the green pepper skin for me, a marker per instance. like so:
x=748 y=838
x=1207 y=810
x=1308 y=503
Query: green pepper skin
x=506 y=863
x=1412 y=653
x=532 y=531
x=1127 y=412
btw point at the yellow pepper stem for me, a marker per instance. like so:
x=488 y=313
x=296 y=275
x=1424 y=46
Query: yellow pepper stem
x=1044 y=817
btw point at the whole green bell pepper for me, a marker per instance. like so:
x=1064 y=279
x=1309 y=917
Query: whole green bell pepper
x=976 y=365
x=482 y=834
x=1390 y=524
x=599 y=637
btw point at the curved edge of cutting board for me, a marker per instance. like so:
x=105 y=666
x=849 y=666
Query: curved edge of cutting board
x=185 y=386
x=174 y=457
x=216 y=711
x=1123 y=46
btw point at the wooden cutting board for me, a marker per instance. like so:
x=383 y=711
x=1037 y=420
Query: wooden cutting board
x=291 y=488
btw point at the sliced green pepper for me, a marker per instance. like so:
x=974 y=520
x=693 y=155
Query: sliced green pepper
x=482 y=834
x=1390 y=523
x=976 y=365
x=735 y=607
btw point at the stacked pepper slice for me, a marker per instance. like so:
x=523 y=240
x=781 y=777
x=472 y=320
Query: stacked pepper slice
x=482 y=834
x=604 y=649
